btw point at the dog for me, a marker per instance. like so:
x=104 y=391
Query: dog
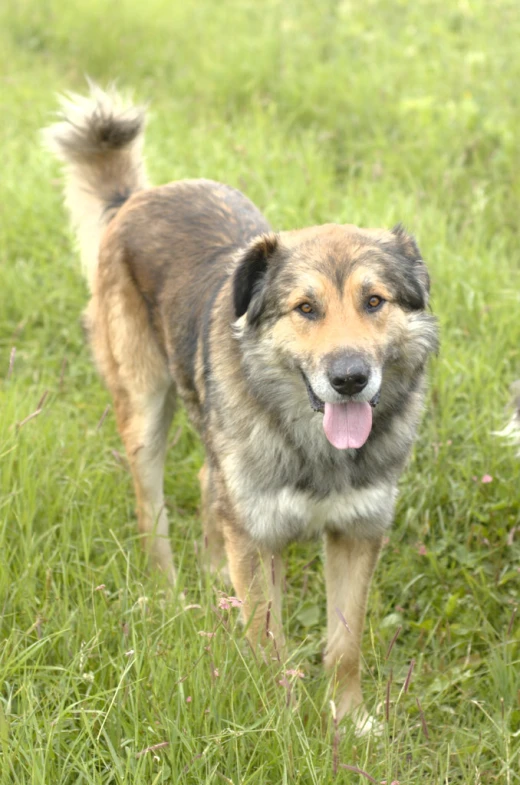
x=300 y=357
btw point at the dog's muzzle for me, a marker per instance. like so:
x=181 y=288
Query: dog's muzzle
x=347 y=422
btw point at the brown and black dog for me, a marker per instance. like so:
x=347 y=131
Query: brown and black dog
x=300 y=358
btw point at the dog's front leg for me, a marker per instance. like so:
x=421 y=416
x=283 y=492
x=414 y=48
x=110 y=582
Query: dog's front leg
x=349 y=566
x=257 y=576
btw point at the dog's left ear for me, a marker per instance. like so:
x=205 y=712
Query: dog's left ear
x=417 y=278
x=250 y=275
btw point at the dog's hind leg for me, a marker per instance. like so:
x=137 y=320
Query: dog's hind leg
x=136 y=373
x=349 y=566
x=143 y=424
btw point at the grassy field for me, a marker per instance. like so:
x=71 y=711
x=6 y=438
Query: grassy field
x=369 y=113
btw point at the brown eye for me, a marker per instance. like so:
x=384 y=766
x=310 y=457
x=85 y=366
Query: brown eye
x=306 y=309
x=374 y=302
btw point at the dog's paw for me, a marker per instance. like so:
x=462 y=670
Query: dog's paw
x=366 y=725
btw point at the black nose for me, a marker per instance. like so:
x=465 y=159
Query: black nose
x=348 y=374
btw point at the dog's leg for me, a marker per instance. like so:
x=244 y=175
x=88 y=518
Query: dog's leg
x=214 y=544
x=349 y=566
x=136 y=373
x=257 y=577
x=143 y=422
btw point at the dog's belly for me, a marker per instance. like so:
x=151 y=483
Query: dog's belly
x=276 y=518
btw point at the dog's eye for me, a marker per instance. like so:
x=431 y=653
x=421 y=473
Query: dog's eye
x=306 y=309
x=374 y=302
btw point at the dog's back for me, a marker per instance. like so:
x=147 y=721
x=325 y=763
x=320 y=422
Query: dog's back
x=178 y=241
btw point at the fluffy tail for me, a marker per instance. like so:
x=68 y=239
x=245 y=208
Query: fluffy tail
x=99 y=140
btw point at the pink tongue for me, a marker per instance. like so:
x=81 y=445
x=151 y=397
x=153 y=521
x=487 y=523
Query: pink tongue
x=347 y=424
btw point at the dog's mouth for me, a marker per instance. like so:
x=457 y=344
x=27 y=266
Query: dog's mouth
x=316 y=403
x=347 y=425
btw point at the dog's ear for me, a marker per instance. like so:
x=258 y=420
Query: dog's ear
x=417 y=280
x=249 y=277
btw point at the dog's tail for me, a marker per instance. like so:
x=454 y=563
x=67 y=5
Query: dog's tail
x=99 y=139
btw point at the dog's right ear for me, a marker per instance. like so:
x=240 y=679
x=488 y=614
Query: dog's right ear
x=249 y=278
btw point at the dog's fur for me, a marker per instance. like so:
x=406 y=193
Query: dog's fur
x=192 y=294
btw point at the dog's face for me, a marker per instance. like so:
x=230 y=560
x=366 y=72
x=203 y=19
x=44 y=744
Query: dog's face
x=341 y=308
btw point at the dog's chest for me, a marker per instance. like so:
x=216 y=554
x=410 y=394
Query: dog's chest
x=287 y=514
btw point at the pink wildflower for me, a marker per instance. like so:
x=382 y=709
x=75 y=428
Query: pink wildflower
x=225 y=603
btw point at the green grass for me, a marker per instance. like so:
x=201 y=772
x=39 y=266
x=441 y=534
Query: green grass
x=369 y=113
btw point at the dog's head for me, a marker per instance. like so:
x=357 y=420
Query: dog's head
x=343 y=309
